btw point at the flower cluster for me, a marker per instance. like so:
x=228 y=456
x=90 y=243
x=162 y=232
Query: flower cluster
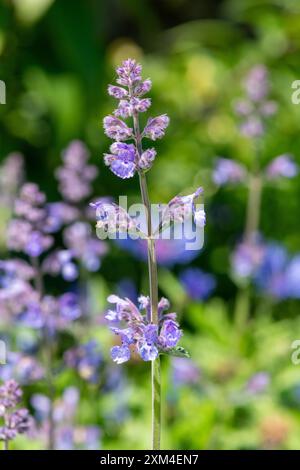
x=67 y=435
x=21 y=367
x=75 y=176
x=270 y=267
x=124 y=159
x=11 y=176
x=86 y=360
x=228 y=171
x=142 y=336
x=198 y=284
x=51 y=313
x=15 y=287
x=256 y=106
x=15 y=420
x=28 y=232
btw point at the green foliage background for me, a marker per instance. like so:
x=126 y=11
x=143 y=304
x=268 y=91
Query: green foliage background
x=56 y=58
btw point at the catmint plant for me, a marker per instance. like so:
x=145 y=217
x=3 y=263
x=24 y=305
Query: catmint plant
x=253 y=259
x=13 y=420
x=145 y=329
x=23 y=293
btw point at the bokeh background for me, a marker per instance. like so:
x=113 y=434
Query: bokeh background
x=240 y=389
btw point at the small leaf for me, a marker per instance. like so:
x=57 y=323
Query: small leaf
x=177 y=352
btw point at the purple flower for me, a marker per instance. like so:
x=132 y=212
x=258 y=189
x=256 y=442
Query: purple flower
x=256 y=107
x=247 y=257
x=75 y=176
x=120 y=354
x=117 y=92
x=126 y=159
x=170 y=334
x=258 y=383
x=61 y=262
x=282 y=166
x=122 y=159
x=25 y=369
x=228 y=171
x=292 y=278
x=69 y=307
x=116 y=129
x=84 y=247
x=10 y=394
x=147 y=158
x=185 y=372
x=28 y=232
x=256 y=83
x=15 y=421
x=155 y=127
x=252 y=127
x=86 y=359
x=147 y=339
x=113 y=219
x=11 y=176
x=147 y=351
x=198 y=284
x=129 y=73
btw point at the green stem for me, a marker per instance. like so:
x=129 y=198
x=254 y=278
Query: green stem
x=153 y=287
x=254 y=206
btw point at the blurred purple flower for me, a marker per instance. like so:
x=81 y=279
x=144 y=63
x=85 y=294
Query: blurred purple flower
x=246 y=257
x=28 y=232
x=185 y=372
x=258 y=383
x=198 y=284
x=16 y=421
x=256 y=106
x=75 y=176
x=84 y=246
x=228 y=171
x=282 y=166
x=86 y=359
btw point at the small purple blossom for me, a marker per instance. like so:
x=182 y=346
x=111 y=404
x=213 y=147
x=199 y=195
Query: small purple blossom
x=255 y=107
x=185 y=372
x=122 y=160
x=83 y=246
x=247 y=257
x=127 y=159
x=282 y=166
x=198 y=284
x=147 y=339
x=258 y=383
x=228 y=171
x=120 y=354
x=15 y=421
x=170 y=334
x=155 y=127
x=28 y=232
x=75 y=176
x=116 y=129
x=86 y=359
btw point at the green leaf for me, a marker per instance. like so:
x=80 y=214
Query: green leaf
x=177 y=352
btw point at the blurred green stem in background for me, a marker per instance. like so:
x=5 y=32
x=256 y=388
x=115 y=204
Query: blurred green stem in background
x=48 y=357
x=254 y=205
x=242 y=306
x=153 y=286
